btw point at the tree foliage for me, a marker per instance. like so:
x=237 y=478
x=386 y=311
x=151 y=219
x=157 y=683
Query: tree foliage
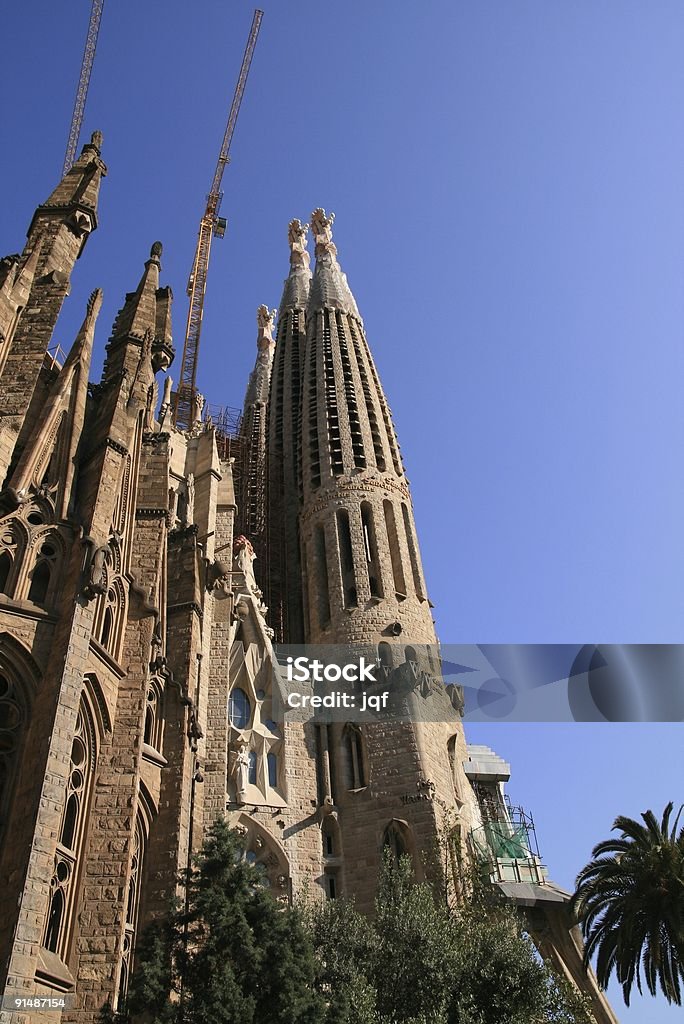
x=230 y=954
x=630 y=904
x=418 y=962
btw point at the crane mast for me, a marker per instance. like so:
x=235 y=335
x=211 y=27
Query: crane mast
x=211 y=224
x=83 y=83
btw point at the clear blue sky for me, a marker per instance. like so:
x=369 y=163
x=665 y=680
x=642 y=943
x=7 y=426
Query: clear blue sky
x=508 y=183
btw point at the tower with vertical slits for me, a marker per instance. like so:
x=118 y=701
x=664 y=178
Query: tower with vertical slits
x=363 y=588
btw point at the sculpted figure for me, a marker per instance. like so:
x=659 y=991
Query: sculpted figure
x=296 y=236
x=244 y=556
x=241 y=772
x=97 y=576
x=189 y=517
x=321 y=225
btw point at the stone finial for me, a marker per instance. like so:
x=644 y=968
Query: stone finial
x=156 y=250
x=265 y=321
x=321 y=225
x=296 y=236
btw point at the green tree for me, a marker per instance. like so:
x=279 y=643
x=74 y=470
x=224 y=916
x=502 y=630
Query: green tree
x=630 y=904
x=230 y=955
x=418 y=962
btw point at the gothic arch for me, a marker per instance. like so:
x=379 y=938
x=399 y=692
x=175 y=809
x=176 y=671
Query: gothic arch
x=399 y=840
x=14 y=539
x=41 y=582
x=355 y=756
x=263 y=850
x=19 y=677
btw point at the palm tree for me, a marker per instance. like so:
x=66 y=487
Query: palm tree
x=630 y=904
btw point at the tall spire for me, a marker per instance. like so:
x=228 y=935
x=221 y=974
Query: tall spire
x=252 y=485
x=283 y=575
x=50 y=459
x=58 y=232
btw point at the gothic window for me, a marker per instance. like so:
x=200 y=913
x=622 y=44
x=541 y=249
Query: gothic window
x=330 y=876
x=132 y=910
x=239 y=708
x=397 y=841
x=314 y=449
x=371 y=549
x=395 y=551
x=272 y=765
x=346 y=559
x=5 y=569
x=413 y=553
x=72 y=834
x=13 y=716
x=356 y=757
x=154 y=714
x=252 y=768
x=42 y=573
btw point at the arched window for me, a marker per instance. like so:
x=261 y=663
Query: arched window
x=13 y=716
x=356 y=757
x=5 y=568
x=396 y=841
x=413 y=553
x=40 y=582
x=41 y=575
x=72 y=835
x=272 y=764
x=239 y=708
x=371 y=549
x=132 y=910
x=154 y=715
x=346 y=559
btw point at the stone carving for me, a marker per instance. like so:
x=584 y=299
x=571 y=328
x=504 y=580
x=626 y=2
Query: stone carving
x=241 y=771
x=265 y=319
x=166 y=401
x=244 y=557
x=96 y=140
x=189 y=510
x=321 y=225
x=156 y=250
x=97 y=574
x=296 y=236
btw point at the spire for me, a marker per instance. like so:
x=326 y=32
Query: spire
x=139 y=311
x=78 y=191
x=329 y=288
x=50 y=459
x=260 y=377
x=298 y=281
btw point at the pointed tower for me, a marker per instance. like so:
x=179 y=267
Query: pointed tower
x=283 y=587
x=399 y=783
x=56 y=237
x=252 y=497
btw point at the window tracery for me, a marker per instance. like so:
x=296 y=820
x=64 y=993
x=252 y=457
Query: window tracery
x=255 y=756
x=72 y=835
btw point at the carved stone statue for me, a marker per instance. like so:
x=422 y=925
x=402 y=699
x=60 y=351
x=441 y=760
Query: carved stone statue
x=243 y=554
x=241 y=770
x=296 y=236
x=166 y=401
x=97 y=575
x=189 y=512
x=321 y=225
x=197 y=407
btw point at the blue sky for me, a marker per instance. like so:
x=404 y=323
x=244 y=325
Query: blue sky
x=507 y=180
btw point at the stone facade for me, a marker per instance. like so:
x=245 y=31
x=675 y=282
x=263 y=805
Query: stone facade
x=138 y=679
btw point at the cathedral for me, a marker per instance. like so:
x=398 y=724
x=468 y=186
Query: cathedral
x=142 y=647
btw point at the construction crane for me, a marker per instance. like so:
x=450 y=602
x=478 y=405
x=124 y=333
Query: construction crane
x=210 y=225
x=83 y=83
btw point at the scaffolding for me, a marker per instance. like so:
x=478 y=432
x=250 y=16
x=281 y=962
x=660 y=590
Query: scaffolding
x=507 y=847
